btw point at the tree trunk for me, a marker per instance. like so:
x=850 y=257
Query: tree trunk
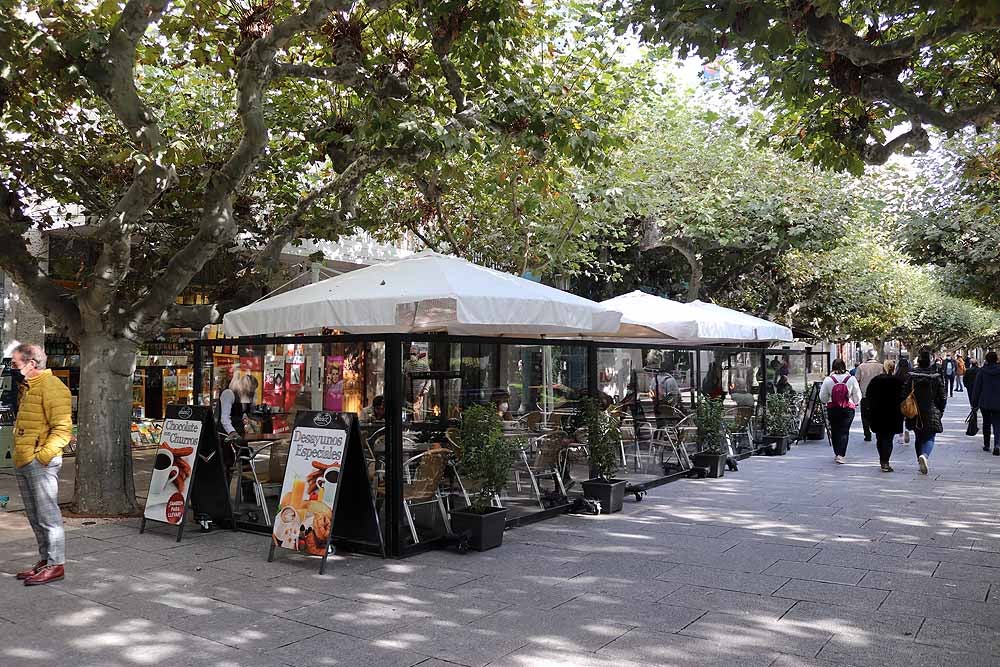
x=879 y=345
x=104 y=482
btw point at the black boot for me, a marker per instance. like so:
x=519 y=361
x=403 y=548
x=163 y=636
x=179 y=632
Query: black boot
x=996 y=451
x=986 y=446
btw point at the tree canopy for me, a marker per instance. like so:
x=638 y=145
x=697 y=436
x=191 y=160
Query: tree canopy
x=843 y=78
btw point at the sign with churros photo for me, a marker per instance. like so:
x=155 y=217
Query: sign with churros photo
x=169 y=485
x=305 y=512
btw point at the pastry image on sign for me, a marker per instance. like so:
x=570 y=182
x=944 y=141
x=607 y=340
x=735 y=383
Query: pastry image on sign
x=305 y=510
x=169 y=484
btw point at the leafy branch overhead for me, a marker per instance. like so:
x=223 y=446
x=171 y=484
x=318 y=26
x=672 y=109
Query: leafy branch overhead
x=843 y=78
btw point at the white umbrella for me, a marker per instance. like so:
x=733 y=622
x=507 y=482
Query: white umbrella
x=423 y=293
x=645 y=316
x=764 y=330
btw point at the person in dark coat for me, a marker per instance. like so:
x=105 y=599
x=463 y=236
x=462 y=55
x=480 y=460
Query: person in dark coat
x=884 y=395
x=928 y=390
x=986 y=397
x=969 y=379
x=903 y=368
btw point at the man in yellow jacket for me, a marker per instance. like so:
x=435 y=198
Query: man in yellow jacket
x=44 y=426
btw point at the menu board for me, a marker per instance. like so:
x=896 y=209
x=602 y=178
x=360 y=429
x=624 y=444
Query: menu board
x=309 y=491
x=172 y=470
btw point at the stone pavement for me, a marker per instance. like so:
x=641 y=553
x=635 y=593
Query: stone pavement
x=791 y=561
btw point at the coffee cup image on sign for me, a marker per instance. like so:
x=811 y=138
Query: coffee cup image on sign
x=332 y=475
x=165 y=471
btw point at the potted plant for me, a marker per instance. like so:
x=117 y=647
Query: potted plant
x=604 y=446
x=776 y=424
x=485 y=458
x=709 y=419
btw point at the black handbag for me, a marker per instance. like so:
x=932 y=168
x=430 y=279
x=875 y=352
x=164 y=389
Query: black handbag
x=973 y=423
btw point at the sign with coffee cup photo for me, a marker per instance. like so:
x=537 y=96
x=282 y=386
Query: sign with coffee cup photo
x=170 y=483
x=309 y=490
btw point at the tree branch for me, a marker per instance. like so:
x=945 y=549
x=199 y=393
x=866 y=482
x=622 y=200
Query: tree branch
x=348 y=74
x=880 y=153
x=217 y=225
x=828 y=33
x=15 y=258
x=112 y=76
x=687 y=251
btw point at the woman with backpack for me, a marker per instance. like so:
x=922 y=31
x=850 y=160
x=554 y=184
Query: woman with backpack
x=884 y=394
x=841 y=393
x=923 y=407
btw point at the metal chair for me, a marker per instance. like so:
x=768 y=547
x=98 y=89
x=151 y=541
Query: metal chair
x=424 y=485
x=546 y=463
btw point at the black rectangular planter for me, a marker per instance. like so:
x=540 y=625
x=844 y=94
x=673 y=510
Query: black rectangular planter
x=777 y=444
x=485 y=531
x=610 y=493
x=714 y=463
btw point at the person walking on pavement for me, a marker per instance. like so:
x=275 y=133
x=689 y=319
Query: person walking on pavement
x=959 y=372
x=969 y=378
x=986 y=397
x=43 y=428
x=841 y=394
x=871 y=368
x=949 y=370
x=884 y=395
x=928 y=391
x=903 y=373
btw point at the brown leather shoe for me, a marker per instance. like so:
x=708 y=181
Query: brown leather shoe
x=46 y=575
x=33 y=571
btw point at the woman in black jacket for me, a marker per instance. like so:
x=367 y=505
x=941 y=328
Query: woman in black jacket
x=986 y=397
x=928 y=390
x=885 y=393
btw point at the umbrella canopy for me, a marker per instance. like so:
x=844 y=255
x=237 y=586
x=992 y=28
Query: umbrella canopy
x=423 y=293
x=645 y=316
x=765 y=330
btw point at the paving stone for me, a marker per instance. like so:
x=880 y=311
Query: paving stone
x=963 y=572
x=534 y=656
x=833 y=574
x=465 y=645
x=273 y=599
x=879 y=562
x=872 y=546
x=848 y=620
x=637 y=588
x=835 y=594
x=335 y=650
x=669 y=650
x=729 y=602
x=560 y=628
x=528 y=591
x=425 y=576
x=961 y=636
x=965 y=611
x=965 y=556
x=778 y=534
x=847 y=649
x=894 y=581
x=747 y=632
x=743 y=582
x=752 y=548
x=658 y=616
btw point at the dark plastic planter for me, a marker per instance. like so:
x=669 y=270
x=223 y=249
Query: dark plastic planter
x=610 y=493
x=485 y=531
x=714 y=463
x=778 y=444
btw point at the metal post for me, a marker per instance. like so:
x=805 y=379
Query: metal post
x=763 y=390
x=393 y=443
x=197 y=372
x=593 y=387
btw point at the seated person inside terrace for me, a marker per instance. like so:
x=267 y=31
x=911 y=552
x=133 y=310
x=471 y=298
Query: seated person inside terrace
x=374 y=412
x=501 y=403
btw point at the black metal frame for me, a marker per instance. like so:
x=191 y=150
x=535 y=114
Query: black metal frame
x=396 y=344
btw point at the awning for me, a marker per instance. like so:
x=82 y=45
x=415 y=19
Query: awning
x=427 y=292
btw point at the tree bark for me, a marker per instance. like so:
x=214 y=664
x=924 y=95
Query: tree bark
x=694 y=282
x=104 y=484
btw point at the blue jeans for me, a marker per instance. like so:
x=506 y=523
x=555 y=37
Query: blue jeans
x=924 y=443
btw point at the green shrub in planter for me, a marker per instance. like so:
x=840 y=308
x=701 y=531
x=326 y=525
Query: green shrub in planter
x=485 y=458
x=710 y=420
x=778 y=423
x=604 y=444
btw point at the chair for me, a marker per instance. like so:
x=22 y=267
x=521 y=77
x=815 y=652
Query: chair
x=637 y=434
x=546 y=463
x=424 y=485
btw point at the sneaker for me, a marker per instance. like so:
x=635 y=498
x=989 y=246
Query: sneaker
x=839 y=459
x=887 y=468
x=922 y=462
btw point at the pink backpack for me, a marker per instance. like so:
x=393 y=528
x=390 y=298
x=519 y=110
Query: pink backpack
x=840 y=397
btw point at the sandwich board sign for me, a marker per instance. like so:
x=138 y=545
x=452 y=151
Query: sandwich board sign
x=187 y=438
x=325 y=493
